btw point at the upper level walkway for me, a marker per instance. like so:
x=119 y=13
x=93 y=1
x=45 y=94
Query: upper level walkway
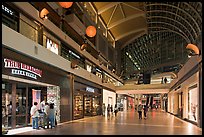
x=143 y=88
x=126 y=123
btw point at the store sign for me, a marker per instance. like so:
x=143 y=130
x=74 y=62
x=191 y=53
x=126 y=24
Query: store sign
x=18 y=68
x=6 y=9
x=90 y=89
x=52 y=46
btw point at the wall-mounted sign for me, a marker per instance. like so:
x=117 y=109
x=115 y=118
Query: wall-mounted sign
x=52 y=46
x=90 y=89
x=18 y=68
x=6 y=9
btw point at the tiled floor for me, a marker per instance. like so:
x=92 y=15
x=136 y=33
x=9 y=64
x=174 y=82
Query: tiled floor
x=126 y=123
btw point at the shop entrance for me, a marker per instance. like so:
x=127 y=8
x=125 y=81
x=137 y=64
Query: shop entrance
x=17 y=100
x=91 y=105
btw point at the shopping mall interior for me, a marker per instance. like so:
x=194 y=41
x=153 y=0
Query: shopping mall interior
x=99 y=63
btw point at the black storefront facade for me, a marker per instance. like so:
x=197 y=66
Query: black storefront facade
x=87 y=98
x=25 y=80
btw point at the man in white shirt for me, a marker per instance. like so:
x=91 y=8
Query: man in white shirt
x=34 y=114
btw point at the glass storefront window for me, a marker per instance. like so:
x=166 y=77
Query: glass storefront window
x=96 y=105
x=6 y=104
x=20 y=105
x=87 y=105
x=78 y=106
x=193 y=103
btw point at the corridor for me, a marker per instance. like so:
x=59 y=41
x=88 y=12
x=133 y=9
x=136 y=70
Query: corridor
x=126 y=123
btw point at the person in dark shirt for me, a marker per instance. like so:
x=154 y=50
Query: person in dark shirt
x=165 y=80
x=145 y=111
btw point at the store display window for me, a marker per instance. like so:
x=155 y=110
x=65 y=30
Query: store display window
x=87 y=105
x=193 y=103
x=78 y=106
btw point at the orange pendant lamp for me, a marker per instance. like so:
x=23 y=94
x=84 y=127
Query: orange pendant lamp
x=194 y=48
x=91 y=31
x=66 y=4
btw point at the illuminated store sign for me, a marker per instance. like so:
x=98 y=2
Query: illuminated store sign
x=18 y=68
x=90 y=89
x=7 y=10
x=52 y=46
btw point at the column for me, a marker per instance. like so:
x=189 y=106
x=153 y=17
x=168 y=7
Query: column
x=200 y=96
x=13 y=117
x=27 y=116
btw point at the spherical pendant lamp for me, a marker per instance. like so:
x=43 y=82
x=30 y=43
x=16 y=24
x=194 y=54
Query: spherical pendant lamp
x=66 y=4
x=91 y=31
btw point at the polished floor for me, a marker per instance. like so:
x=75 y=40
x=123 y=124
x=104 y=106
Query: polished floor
x=126 y=123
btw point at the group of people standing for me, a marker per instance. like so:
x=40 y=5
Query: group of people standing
x=110 y=111
x=48 y=112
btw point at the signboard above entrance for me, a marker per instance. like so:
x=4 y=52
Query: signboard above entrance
x=18 y=68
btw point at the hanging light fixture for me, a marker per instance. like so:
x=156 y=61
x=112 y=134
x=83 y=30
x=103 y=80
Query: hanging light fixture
x=193 y=48
x=91 y=31
x=83 y=47
x=66 y=4
x=43 y=13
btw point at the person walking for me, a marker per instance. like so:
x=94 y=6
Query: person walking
x=34 y=114
x=111 y=110
x=165 y=80
x=145 y=111
x=139 y=109
x=51 y=115
x=46 y=112
x=115 y=110
x=104 y=109
x=108 y=111
x=162 y=80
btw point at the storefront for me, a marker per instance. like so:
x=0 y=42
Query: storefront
x=24 y=81
x=131 y=103
x=87 y=99
x=122 y=102
x=193 y=100
x=109 y=97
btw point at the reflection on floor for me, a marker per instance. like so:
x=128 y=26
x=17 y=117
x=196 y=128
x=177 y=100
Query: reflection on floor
x=126 y=123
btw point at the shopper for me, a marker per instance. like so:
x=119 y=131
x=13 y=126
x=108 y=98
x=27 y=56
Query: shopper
x=162 y=80
x=51 y=115
x=139 y=109
x=111 y=110
x=145 y=111
x=108 y=111
x=34 y=114
x=46 y=112
x=165 y=80
x=104 y=109
x=116 y=110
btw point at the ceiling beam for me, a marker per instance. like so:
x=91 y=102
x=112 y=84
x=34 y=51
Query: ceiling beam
x=171 y=26
x=141 y=14
x=180 y=10
x=177 y=16
x=132 y=6
x=167 y=29
x=177 y=22
x=132 y=39
x=121 y=8
x=198 y=15
x=107 y=7
x=112 y=15
x=131 y=32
